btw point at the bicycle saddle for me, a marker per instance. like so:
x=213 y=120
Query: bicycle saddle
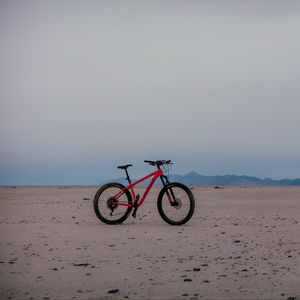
x=124 y=167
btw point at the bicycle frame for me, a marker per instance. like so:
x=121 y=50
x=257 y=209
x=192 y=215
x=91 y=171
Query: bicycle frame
x=130 y=187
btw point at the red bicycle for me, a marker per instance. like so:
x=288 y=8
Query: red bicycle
x=113 y=202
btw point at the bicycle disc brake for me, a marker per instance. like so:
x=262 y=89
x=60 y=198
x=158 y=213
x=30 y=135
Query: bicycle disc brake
x=176 y=203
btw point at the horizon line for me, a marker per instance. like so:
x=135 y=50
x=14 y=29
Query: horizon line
x=122 y=177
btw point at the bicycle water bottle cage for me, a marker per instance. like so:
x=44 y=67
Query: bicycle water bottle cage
x=137 y=198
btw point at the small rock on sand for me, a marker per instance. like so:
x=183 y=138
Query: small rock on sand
x=113 y=291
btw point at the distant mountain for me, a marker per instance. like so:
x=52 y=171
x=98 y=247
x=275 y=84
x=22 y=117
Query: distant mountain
x=193 y=178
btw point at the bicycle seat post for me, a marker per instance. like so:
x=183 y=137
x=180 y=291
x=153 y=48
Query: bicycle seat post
x=127 y=176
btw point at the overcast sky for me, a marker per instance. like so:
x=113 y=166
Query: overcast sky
x=87 y=85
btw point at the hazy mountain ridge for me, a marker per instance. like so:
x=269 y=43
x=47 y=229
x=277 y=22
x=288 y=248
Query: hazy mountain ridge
x=193 y=178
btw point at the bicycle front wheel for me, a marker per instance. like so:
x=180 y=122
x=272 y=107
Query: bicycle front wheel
x=105 y=205
x=176 y=203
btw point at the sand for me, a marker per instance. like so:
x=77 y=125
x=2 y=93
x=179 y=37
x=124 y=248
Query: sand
x=242 y=243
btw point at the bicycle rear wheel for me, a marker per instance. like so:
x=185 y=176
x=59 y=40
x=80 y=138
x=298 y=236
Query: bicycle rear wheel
x=104 y=203
x=176 y=203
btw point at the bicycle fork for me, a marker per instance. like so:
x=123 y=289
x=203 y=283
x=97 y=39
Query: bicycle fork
x=169 y=192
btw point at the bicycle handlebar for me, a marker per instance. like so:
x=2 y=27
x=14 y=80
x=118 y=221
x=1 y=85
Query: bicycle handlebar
x=158 y=162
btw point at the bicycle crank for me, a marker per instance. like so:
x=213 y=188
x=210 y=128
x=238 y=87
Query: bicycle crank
x=135 y=206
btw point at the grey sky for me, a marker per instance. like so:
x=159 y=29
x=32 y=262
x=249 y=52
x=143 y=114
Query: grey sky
x=213 y=85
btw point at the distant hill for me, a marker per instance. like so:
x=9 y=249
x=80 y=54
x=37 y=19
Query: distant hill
x=193 y=178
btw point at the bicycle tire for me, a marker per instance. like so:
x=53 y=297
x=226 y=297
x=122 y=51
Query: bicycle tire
x=163 y=203
x=102 y=199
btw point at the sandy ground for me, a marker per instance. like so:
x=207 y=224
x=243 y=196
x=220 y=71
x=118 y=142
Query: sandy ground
x=242 y=243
